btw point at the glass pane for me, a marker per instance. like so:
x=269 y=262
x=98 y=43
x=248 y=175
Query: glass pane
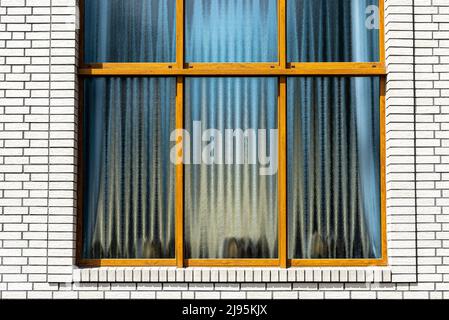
x=333 y=30
x=231 y=30
x=334 y=168
x=231 y=169
x=128 y=178
x=130 y=31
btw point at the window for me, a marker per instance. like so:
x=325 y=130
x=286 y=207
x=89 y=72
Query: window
x=232 y=133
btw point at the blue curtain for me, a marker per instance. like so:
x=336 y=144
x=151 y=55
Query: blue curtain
x=334 y=168
x=231 y=30
x=230 y=207
x=130 y=31
x=128 y=178
x=332 y=31
x=231 y=210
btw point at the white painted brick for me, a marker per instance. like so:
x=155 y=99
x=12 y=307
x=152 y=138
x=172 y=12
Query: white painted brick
x=37 y=238
x=257 y=295
x=168 y=295
x=237 y=295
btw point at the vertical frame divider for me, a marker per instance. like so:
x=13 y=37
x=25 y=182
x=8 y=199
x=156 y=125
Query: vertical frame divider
x=382 y=31
x=383 y=178
x=80 y=162
x=383 y=137
x=282 y=41
x=180 y=34
x=80 y=173
x=282 y=173
x=282 y=144
x=179 y=181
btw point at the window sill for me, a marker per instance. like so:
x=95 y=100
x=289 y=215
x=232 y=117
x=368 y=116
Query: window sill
x=232 y=275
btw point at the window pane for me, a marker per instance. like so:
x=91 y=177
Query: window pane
x=231 y=181
x=130 y=30
x=333 y=31
x=231 y=30
x=128 y=178
x=334 y=168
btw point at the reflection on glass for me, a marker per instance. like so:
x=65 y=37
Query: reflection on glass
x=128 y=178
x=130 y=31
x=231 y=30
x=333 y=168
x=231 y=181
x=332 y=30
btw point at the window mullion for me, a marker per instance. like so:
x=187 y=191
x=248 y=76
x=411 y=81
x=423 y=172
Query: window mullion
x=383 y=170
x=282 y=41
x=180 y=34
x=282 y=173
x=382 y=31
x=282 y=145
x=179 y=181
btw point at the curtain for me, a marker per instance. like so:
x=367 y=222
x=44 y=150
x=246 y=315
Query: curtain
x=332 y=31
x=231 y=206
x=128 y=177
x=333 y=167
x=231 y=209
x=130 y=31
x=231 y=30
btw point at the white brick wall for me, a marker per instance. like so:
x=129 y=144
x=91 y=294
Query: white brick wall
x=38 y=153
x=401 y=212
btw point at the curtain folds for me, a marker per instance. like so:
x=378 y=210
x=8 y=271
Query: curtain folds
x=230 y=208
x=332 y=31
x=128 y=178
x=334 y=168
x=130 y=31
x=231 y=30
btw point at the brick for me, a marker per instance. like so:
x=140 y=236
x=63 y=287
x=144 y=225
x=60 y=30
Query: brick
x=38 y=124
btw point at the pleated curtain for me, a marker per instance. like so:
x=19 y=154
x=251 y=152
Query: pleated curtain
x=333 y=132
x=231 y=31
x=231 y=209
x=129 y=31
x=333 y=168
x=332 y=31
x=129 y=179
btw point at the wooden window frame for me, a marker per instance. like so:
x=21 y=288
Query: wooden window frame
x=281 y=69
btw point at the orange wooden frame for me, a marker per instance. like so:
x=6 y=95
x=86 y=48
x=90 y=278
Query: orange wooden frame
x=281 y=69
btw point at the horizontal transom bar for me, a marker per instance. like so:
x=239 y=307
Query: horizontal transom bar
x=234 y=69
